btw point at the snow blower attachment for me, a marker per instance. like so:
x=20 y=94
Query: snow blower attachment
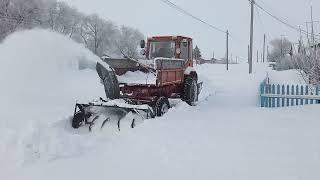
x=168 y=63
x=113 y=107
x=105 y=110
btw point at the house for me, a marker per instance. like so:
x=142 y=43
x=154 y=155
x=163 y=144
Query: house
x=317 y=45
x=206 y=61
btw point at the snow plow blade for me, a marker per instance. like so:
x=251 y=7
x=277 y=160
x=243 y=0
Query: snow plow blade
x=105 y=111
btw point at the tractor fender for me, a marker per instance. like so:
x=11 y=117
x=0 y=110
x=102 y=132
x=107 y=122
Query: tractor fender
x=190 y=71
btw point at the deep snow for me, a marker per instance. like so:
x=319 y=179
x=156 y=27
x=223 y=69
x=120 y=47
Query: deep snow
x=227 y=136
x=40 y=83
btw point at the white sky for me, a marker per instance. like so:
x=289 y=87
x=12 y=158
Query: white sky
x=153 y=17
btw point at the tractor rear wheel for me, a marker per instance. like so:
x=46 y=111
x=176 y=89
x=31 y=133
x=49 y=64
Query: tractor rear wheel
x=162 y=106
x=190 y=91
x=78 y=120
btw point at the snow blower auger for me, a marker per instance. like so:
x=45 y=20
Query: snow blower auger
x=105 y=110
x=169 y=73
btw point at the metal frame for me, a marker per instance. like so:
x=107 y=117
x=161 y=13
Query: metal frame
x=83 y=108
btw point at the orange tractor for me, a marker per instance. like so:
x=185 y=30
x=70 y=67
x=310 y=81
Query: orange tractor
x=168 y=63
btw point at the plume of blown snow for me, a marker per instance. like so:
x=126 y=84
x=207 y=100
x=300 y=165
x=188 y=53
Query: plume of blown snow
x=40 y=83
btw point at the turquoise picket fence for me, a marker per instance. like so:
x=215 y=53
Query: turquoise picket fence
x=276 y=95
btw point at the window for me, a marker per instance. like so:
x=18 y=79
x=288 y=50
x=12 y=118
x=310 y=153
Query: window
x=164 y=49
x=184 y=47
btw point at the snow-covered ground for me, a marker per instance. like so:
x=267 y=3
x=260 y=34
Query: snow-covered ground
x=286 y=77
x=227 y=136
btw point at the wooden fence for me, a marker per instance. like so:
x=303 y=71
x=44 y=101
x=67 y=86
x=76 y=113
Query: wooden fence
x=272 y=95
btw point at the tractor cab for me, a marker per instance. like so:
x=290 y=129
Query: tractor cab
x=160 y=52
x=168 y=47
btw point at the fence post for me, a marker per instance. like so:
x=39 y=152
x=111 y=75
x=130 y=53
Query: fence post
x=288 y=93
x=261 y=94
x=278 y=92
x=307 y=93
x=269 y=99
x=292 y=93
x=301 y=93
x=283 y=93
x=297 y=93
x=317 y=93
x=273 y=92
x=266 y=98
x=311 y=101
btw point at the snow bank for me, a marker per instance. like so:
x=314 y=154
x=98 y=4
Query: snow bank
x=40 y=82
x=286 y=77
x=236 y=83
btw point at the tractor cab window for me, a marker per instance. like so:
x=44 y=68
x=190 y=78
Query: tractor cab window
x=184 y=47
x=164 y=49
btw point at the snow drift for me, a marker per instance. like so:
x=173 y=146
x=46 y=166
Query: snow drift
x=40 y=82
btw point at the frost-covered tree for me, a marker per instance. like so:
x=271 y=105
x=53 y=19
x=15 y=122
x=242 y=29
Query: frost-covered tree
x=98 y=35
x=280 y=48
x=197 y=53
x=62 y=18
x=128 y=42
x=4 y=22
x=308 y=63
x=20 y=14
x=281 y=54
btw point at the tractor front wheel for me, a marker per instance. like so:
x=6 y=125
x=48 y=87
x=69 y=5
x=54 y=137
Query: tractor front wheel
x=162 y=106
x=190 y=91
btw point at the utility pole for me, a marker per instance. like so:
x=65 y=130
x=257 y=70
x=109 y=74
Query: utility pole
x=311 y=35
x=251 y=37
x=312 y=28
x=248 y=53
x=257 y=56
x=267 y=53
x=264 y=47
x=227 y=50
x=308 y=33
x=300 y=41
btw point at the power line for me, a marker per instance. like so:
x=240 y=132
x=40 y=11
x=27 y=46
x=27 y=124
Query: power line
x=279 y=19
x=171 y=4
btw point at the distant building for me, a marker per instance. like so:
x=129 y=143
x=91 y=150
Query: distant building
x=206 y=61
x=220 y=61
x=316 y=45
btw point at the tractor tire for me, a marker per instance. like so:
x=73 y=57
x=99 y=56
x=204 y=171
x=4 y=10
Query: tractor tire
x=162 y=106
x=78 y=120
x=190 y=91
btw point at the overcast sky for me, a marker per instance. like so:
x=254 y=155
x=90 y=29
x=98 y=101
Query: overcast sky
x=153 y=17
